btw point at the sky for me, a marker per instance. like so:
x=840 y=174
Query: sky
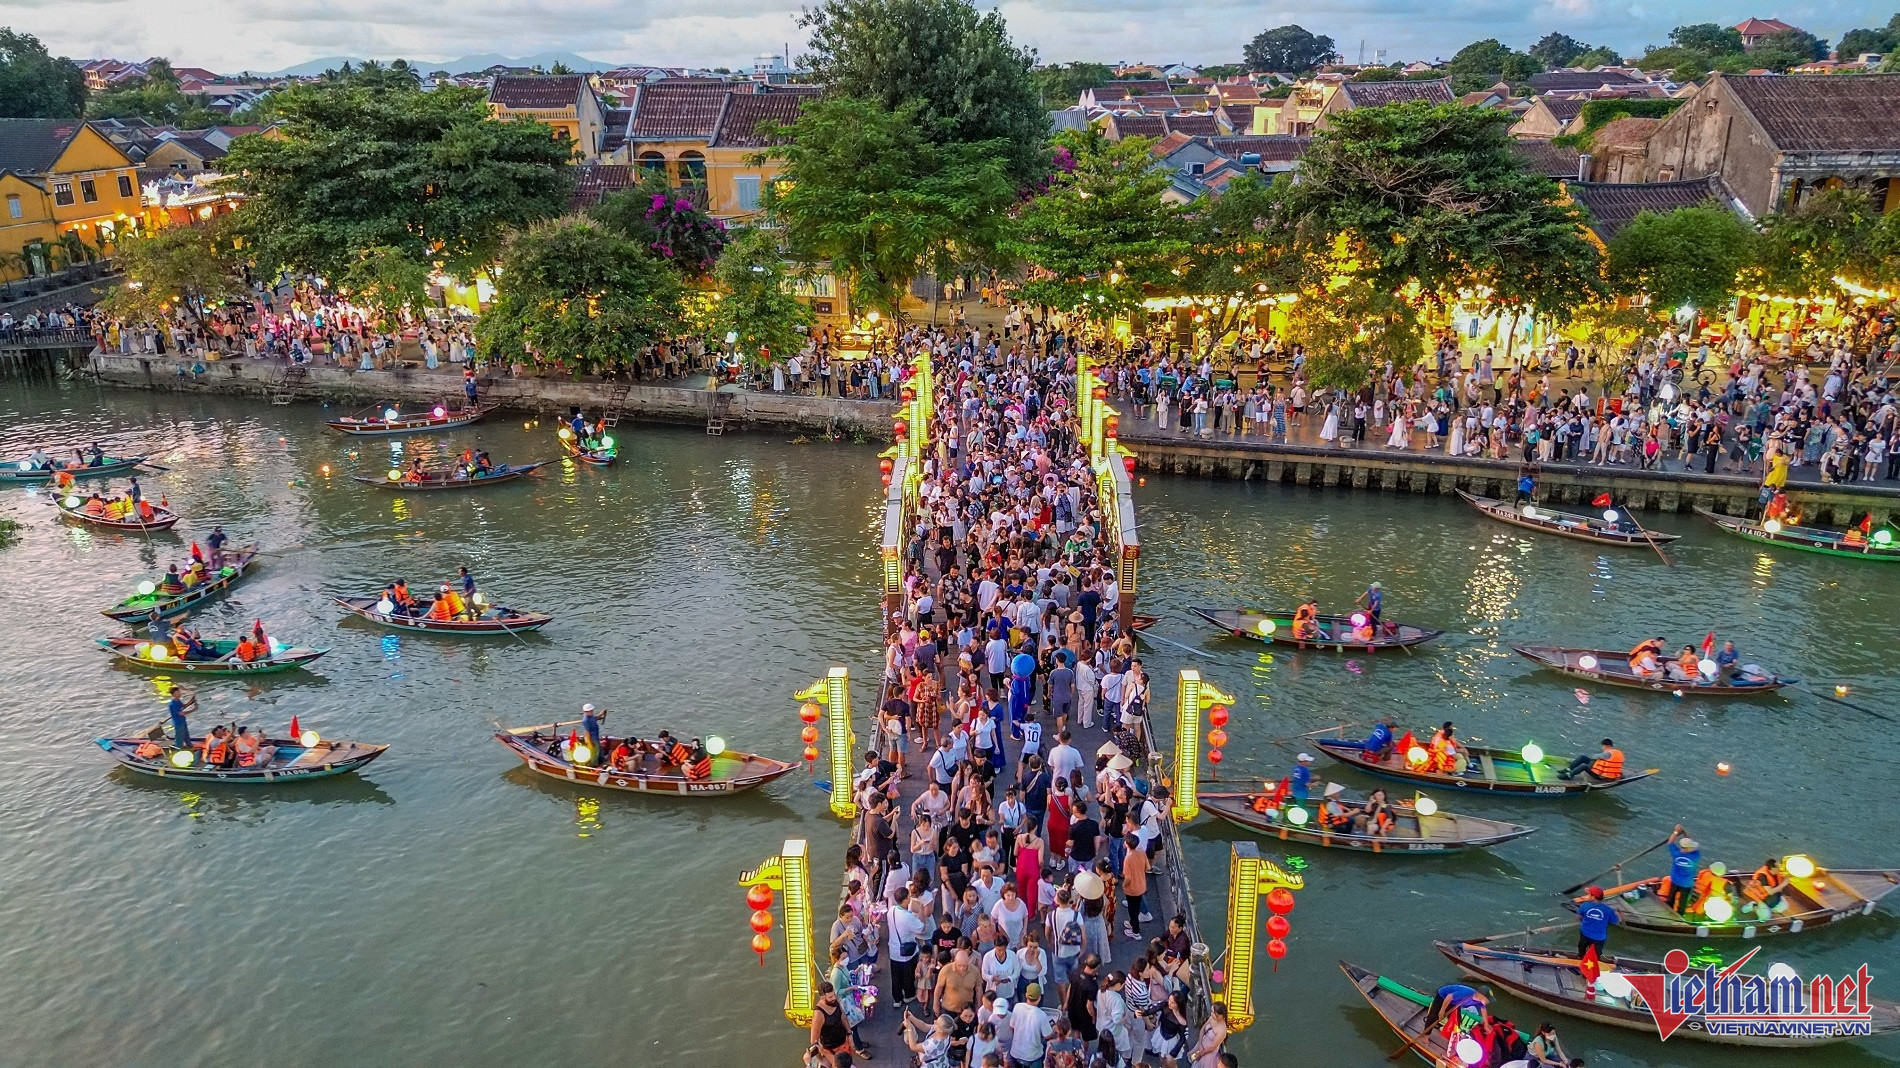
x=263 y=35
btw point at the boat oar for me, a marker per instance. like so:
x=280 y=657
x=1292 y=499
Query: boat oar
x=1646 y=537
x=1513 y=934
x=1412 y=1043
x=1838 y=701
x=1146 y=636
x=1569 y=890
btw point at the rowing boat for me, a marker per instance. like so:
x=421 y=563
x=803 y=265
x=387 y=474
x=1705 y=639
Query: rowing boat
x=1412 y=832
x=292 y=762
x=1612 y=668
x=73 y=507
x=1406 y=1011
x=495 y=619
x=1498 y=771
x=1554 y=980
x=599 y=457
x=541 y=748
x=1827 y=896
x=1141 y=622
x=141 y=652
x=1807 y=539
x=449 y=478
x=383 y=424
x=1276 y=628
x=141 y=606
x=24 y=471
x=1563 y=524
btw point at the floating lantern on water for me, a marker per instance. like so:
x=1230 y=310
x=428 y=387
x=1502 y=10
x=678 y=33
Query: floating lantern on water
x=1840 y=690
x=1721 y=767
x=715 y=745
x=1425 y=806
x=1532 y=753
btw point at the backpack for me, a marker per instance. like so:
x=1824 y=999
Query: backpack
x=1071 y=933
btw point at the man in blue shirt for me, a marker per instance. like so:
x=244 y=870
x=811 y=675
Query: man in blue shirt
x=590 y=726
x=1302 y=778
x=1685 y=856
x=1378 y=743
x=1374 y=600
x=1594 y=918
x=182 y=701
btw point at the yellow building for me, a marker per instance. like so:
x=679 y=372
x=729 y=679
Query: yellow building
x=563 y=101
x=697 y=135
x=56 y=176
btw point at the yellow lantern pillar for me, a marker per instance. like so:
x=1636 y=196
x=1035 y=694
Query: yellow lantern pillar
x=789 y=873
x=834 y=690
x=1250 y=877
x=1193 y=695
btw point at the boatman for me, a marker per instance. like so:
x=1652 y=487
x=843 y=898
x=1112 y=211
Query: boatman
x=1685 y=856
x=468 y=584
x=1594 y=918
x=590 y=724
x=1302 y=778
x=1449 y=1003
x=182 y=703
x=215 y=541
x=1606 y=765
x=1374 y=601
x=1377 y=744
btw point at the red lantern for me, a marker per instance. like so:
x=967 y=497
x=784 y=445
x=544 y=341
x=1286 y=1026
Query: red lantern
x=1276 y=948
x=907 y=393
x=1217 y=715
x=1129 y=463
x=1099 y=393
x=809 y=735
x=885 y=465
x=884 y=480
x=809 y=711
x=1111 y=424
x=761 y=944
x=1280 y=900
x=762 y=920
x=1277 y=926
x=1217 y=737
x=759 y=897
x=900 y=428
x=811 y=752
x=1213 y=756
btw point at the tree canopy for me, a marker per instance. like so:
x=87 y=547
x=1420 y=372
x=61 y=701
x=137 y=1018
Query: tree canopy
x=1242 y=247
x=426 y=173
x=1289 y=49
x=35 y=85
x=1883 y=40
x=188 y=267
x=1835 y=232
x=957 y=69
x=668 y=225
x=1061 y=85
x=1557 y=49
x=1690 y=256
x=755 y=299
x=575 y=296
x=1482 y=64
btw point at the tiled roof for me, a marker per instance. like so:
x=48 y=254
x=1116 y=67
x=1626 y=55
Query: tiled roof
x=1570 y=81
x=1823 y=113
x=596 y=181
x=1155 y=126
x=613 y=129
x=1542 y=157
x=199 y=147
x=539 y=92
x=1270 y=149
x=1139 y=86
x=32 y=146
x=1630 y=131
x=1379 y=94
x=1069 y=119
x=1761 y=27
x=1564 y=108
x=1169 y=144
x=680 y=108
x=1238 y=92
x=746 y=116
x=1194 y=124
x=1612 y=205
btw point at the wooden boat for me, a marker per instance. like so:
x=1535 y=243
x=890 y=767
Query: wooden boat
x=1440 y=832
x=1828 y=896
x=72 y=507
x=1612 y=668
x=380 y=425
x=541 y=749
x=22 y=471
x=1498 y=771
x=293 y=762
x=597 y=457
x=138 y=652
x=495 y=619
x=1563 y=524
x=1807 y=539
x=140 y=606
x=1554 y=980
x=450 y=478
x=1406 y=1011
x=1276 y=628
x=1144 y=622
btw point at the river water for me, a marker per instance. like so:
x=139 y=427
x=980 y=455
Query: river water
x=447 y=907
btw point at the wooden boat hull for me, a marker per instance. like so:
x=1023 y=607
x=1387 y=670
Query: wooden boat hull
x=1612 y=669
x=592 y=457
x=1144 y=622
x=112 y=466
x=1806 y=539
x=293 y=763
x=133 y=651
x=1244 y=623
x=1441 y=832
x=416 y=424
x=1496 y=771
x=1564 y=524
x=1404 y=1010
x=1554 y=980
x=733 y=773
x=162 y=519
x=500 y=619
x=436 y=481
x=138 y=608
x=1831 y=895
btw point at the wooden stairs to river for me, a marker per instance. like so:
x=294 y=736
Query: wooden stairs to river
x=616 y=404
x=290 y=385
x=719 y=412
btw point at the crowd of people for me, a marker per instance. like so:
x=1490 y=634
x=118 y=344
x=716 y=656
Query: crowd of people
x=1002 y=855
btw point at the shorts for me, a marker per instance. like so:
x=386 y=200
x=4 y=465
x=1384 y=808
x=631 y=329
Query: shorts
x=1060 y=967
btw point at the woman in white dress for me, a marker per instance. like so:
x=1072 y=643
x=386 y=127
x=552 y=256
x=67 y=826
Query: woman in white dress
x=1401 y=431
x=1161 y=409
x=1329 y=431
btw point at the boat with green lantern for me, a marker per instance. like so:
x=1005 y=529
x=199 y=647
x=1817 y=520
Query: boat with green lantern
x=1879 y=545
x=149 y=599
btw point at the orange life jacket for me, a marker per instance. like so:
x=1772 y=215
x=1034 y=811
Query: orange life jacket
x=679 y=754
x=1756 y=889
x=246 y=651
x=215 y=749
x=440 y=609
x=147 y=750
x=700 y=769
x=1305 y=621
x=1610 y=767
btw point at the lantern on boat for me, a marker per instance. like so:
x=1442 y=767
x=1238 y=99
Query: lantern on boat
x=72 y=502
x=1217 y=715
x=1266 y=627
x=759 y=897
x=1296 y=816
x=1615 y=985
x=1470 y=1051
x=1798 y=866
x=1719 y=910
x=1532 y=753
x=1530 y=512
x=439 y=412
x=1425 y=806
x=1610 y=515
x=607 y=442
x=481 y=599
x=385 y=606
x=1707 y=666
x=26 y=465
x=581 y=754
x=761 y=920
x=1587 y=662
x=182 y=758
x=1883 y=537
x=809 y=712
x=564 y=433
x=1772 y=526
x=1358 y=619
x=146 y=588
x=389 y=413
x=309 y=739
x=157 y=653
x=1417 y=756
x=395 y=475
x=715 y=745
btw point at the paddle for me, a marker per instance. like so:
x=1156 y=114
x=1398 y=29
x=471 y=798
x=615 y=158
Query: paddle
x=1513 y=934
x=1838 y=701
x=1652 y=541
x=1567 y=891
x=1412 y=1043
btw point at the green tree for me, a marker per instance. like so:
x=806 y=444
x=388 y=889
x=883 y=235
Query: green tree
x=1708 y=38
x=1061 y=85
x=155 y=97
x=864 y=189
x=1242 y=247
x=1289 y=49
x=1789 y=48
x=576 y=297
x=1690 y=256
x=955 y=67
x=1557 y=49
x=1482 y=64
x=189 y=267
x=1597 y=57
x=35 y=85
x=1350 y=326
x=373 y=75
x=1833 y=233
x=1858 y=42
x=654 y=215
x=387 y=280
x=1100 y=238
x=1218 y=71
x=426 y=173
x=755 y=297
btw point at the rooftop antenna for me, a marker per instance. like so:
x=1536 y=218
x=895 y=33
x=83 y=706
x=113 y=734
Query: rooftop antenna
x=1362 y=51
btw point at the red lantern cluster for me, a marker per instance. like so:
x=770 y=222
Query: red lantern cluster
x=900 y=430
x=1279 y=902
x=1217 y=736
x=809 y=713
x=759 y=897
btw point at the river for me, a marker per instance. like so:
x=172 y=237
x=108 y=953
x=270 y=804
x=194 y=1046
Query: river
x=445 y=906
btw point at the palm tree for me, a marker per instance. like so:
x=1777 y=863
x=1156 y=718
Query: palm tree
x=560 y=68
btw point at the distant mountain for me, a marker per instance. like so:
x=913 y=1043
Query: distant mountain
x=543 y=60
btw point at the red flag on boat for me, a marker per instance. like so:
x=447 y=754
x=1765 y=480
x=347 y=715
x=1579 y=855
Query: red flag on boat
x=1602 y=501
x=294 y=732
x=1591 y=968
x=1708 y=644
